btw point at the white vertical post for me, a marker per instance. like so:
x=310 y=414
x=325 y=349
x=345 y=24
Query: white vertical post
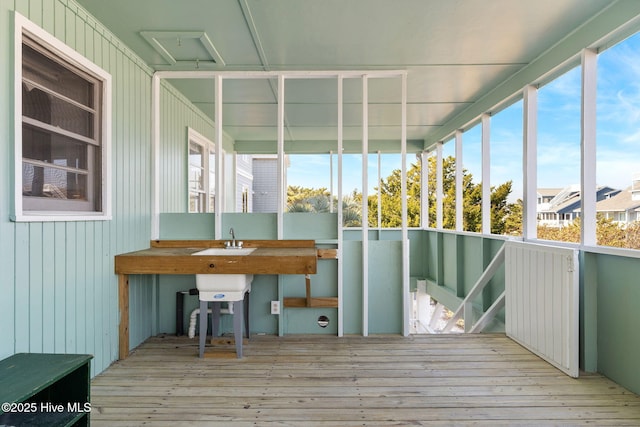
x=365 y=209
x=424 y=189
x=339 y=209
x=439 y=186
x=331 y=181
x=588 y=147
x=486 y=174
x=155 y=155
x=459 y=182
x=530 y=179
x=405 y=231
x=219 y=178
x=281 y=181
x=379 y=190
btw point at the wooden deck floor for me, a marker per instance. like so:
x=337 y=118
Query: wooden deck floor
x=352 y=381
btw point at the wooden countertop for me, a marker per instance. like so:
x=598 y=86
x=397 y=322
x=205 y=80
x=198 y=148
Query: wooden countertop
x=176 y=257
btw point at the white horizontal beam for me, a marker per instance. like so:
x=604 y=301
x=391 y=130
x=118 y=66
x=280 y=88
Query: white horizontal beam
x=203 y=74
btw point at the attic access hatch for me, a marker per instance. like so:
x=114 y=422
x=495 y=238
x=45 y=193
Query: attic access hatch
x=186 y=48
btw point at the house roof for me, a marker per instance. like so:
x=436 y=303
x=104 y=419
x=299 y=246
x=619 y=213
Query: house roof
x=462 y=58
x=621 y=202
x=568 y=199
x=570 y=204
x=548 y=192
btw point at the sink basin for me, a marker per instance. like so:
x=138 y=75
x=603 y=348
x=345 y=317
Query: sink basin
x=223 y=282
x=223 y=287
x=225 y=251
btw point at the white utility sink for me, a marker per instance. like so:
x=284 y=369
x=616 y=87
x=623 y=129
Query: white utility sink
x=225 y=251
x=224 y=287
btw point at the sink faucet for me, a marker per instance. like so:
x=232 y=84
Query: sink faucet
x=233 y=237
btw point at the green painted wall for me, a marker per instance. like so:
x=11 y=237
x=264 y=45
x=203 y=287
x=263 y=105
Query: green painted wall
x=59 y=291
x=618 y=319
x=385 y=272
x=352 y=287
x=250 y=226
x=385 y=287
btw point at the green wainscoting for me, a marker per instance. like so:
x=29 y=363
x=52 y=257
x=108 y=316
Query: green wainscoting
x=59 y=291
x=618 y=319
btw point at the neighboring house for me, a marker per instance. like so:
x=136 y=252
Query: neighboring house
x=265 y=183
x=624 y=207
x=563 y=208
x=555 y=206
x=545 y=195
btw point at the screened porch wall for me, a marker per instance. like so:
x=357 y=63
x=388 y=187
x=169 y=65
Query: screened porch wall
x=59 y=291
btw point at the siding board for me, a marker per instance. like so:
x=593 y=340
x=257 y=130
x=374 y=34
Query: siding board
x=48 y=287
x=81 y=286
x=35 y=10
x=96 y=301
x=89 y=270
x=70 y=309
x=60 y=282
x=22 y=288
x=34 y=303
x=22 y=7
x=59 y=21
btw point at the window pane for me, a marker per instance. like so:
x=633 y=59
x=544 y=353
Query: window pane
x=472 y=178
x=39 y=181
x=212 y=180
x=351 y=190
x=46 y=108
x=506 y=171
x=195 y=167
x=308 y=183
x=51 y=148
x=49 y=73
x=390 y=191
x=618 y=157
x=62 y=158
x=196 y=202
x=448 y=185
x=559 y=156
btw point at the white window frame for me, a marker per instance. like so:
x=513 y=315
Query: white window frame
x=64 y=54
x=208 y=147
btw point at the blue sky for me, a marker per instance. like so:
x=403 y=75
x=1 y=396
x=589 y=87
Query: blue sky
x=618 y=134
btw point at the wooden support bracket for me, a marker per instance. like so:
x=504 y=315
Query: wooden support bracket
x=327 y=254
x=309 y=301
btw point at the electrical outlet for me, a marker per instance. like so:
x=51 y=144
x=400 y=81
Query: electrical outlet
x=275 y=307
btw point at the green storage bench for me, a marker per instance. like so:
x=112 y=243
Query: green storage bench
x=45 y=390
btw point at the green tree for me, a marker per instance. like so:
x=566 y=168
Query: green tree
x=303 y=199
x=318 y=200
x=352 y=209
x=506 y=218
x=391 y=203
x=513 y=218
x=608 y=233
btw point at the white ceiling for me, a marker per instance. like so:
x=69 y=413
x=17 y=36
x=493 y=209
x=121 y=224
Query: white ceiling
x=455 y=52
